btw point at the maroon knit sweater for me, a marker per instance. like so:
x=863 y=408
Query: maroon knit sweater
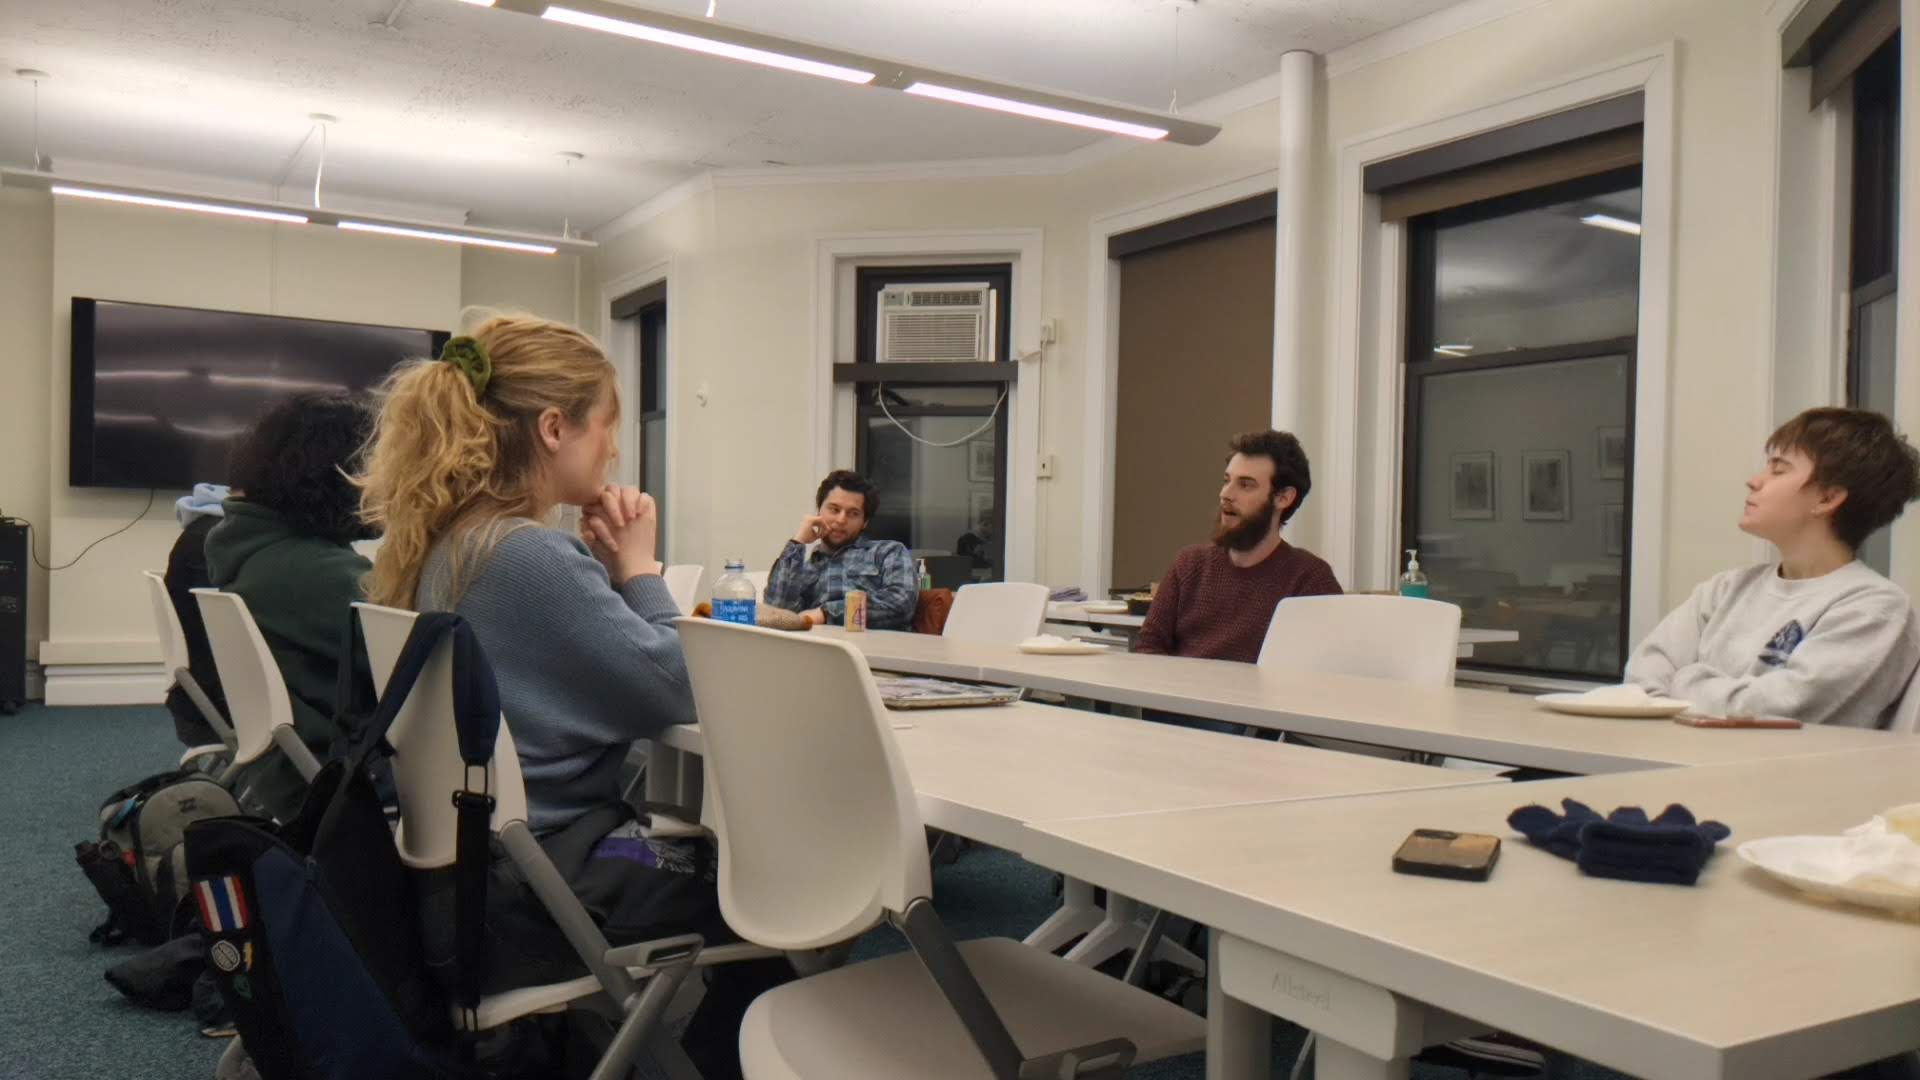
x=1208 y=607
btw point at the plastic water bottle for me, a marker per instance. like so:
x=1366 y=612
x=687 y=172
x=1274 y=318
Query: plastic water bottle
x=734 y=596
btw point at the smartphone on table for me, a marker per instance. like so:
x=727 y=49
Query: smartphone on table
x=1441 y=853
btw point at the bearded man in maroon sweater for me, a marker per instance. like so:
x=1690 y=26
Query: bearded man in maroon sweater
x=1217 y=599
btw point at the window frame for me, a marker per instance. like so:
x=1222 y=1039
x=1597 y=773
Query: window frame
x=999 y=376
x=1420 y=363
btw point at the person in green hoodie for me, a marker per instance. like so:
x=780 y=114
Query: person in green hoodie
x=285 y=548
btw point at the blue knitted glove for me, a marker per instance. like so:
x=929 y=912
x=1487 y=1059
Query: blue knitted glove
x=1671 y=849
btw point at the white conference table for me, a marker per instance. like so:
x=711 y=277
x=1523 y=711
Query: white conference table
x=1076 y=614
x=986 y=773
x=1482 y=725
x=1739 y=978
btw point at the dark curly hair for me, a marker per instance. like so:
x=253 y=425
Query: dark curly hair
x=296 y=459
x=853 y=484
x=1290 y=468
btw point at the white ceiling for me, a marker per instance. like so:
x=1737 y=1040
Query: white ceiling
x=465 y=108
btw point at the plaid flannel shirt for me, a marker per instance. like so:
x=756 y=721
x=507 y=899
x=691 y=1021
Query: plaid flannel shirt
x=882 y=569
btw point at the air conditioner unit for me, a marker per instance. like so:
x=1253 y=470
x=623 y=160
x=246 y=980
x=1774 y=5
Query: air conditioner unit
x=944 y=323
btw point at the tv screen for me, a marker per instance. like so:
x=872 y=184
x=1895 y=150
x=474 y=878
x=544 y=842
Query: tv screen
x=161 y=393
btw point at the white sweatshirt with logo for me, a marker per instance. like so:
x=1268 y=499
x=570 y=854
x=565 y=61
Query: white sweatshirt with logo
x=1836 y=649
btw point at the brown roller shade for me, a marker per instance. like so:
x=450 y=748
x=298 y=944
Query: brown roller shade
x=1852 y=33
x=1511 y=175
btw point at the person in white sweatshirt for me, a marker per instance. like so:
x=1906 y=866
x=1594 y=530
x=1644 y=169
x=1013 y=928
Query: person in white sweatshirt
x=1818 y=636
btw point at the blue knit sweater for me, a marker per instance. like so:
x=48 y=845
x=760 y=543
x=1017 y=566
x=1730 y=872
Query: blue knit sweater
x=584 y=669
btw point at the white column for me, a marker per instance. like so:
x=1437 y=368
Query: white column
x=1293 y=230
x=1906 y=383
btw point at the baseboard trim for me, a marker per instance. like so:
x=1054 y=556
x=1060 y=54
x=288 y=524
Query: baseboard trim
x=105 y=684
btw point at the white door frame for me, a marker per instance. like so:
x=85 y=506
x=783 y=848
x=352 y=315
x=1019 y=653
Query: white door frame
x=1103 y=356
x=833 y=406
x=623 y=349
x=1368 y=335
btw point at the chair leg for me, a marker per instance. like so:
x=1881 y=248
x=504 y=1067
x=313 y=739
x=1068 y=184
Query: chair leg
x=673 y=1060
x=641 y=1021
x=1120 y=931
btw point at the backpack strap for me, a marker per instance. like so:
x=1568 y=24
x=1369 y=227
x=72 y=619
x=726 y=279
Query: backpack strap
x=476 y=708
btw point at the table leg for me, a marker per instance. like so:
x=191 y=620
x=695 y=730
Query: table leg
x=1077 y=915
x=1337 y=1061
x=1239 y=1035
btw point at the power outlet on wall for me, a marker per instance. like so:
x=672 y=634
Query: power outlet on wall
x=1045 y=471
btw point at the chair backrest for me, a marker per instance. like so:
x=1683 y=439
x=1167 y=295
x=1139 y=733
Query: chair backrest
x=819 y=831
x=1001 y=613
x=683 y=582
x=1381 y=637
x=173 y=638
x=426 y=751
x=257 y=700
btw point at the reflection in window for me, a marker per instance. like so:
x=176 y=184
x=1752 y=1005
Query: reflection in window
x=1518 y=478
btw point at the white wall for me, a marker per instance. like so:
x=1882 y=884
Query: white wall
x=26 y=254
x=91 y=624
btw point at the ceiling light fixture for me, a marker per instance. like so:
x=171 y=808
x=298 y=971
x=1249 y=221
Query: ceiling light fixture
x=1608 y=221
x=710 y=46
x=506 y=239
x=715 y=38
x=478 y=3
x=1039 y=112
x=179 y=204
x=1453 y=350
x=455 y=238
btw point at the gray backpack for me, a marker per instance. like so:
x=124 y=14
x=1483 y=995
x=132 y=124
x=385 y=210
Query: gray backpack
x=138 y=866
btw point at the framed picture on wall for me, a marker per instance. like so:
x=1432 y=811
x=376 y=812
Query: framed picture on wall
x=1473 y=486
x=1613 y=528
x=979 y=508
x=1546 y=485
x=1611 y=453
x=980 y=461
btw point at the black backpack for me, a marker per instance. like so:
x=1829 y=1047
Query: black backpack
x=138 y=865
x=312 y=927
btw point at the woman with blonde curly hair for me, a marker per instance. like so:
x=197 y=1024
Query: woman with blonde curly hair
x=472 y=456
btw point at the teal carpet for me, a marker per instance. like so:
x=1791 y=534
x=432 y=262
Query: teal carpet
x=59 y=1020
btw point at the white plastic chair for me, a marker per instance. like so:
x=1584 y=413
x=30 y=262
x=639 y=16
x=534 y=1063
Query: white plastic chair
x=1381 y=637
x=997 y=613
x=257 y=700
x=683 y=582
x=173 y=656
x=426 y=769
x=829 y=768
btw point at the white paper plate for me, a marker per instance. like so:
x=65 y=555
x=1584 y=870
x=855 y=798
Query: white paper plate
x=1804 y=862
x=1062 y=648
x=1105 y=607
x=1579 y=705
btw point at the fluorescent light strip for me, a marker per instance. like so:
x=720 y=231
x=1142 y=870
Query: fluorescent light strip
x=179 y=204
x=1453 y=350
x=1039 y=112
x=456 y=238
x=709 y=46
x=478 y=3
x=1608 y=221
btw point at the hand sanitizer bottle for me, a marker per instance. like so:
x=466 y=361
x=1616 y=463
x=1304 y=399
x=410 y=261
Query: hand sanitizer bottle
x=1413 y=582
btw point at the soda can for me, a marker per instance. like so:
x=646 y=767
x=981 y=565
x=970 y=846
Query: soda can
x=856 y=611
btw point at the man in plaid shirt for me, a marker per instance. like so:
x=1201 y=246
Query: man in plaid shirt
x=830 y=556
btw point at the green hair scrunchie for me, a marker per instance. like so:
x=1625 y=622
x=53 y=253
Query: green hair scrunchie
x=471 y=358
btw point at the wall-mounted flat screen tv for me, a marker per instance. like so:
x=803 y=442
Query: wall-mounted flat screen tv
x=161 y=393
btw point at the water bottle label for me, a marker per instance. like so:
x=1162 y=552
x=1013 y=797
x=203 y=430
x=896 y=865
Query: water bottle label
x=734 y=611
